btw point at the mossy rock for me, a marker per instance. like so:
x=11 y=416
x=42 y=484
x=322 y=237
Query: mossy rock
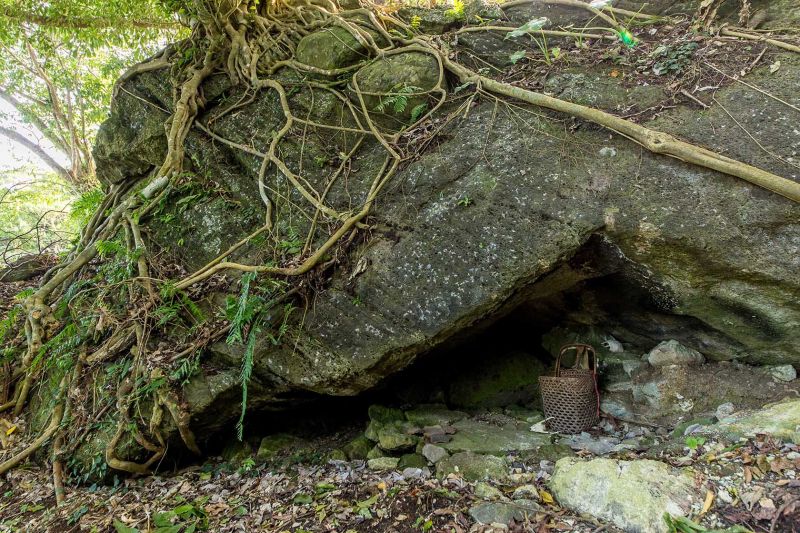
x=393 y=438
x=780 y=420
x=484 y=437
x=358 y=448
x=376 y=452
x=337 y=455
x=412 y=460
x=434 y=21
x=273 y=445
x=330 y=49
x=383 y=80
x=633 y=495
x=371 y=433
x=473 y=467
x=383 y=463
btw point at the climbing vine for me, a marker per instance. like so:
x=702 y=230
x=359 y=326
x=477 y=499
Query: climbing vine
x=113 y=309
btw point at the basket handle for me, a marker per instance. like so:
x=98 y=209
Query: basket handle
x=579 y=348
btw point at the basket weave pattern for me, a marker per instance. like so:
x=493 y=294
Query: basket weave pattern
x=570 y=398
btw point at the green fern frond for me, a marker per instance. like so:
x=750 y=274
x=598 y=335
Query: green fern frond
x=398 y=98
x=418 y=111
x=244 y=377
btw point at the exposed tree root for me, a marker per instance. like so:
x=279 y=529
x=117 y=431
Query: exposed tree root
x=654 y=141
x=750 y=37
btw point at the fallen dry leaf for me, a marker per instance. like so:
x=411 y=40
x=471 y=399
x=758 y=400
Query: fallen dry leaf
x=708 y=502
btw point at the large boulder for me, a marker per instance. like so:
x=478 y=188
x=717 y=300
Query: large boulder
x=674 y=353
x=633 y=495
x=562 y=220
x=780 y=420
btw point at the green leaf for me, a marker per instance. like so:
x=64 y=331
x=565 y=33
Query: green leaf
x=324 y=487
x=122 y=528
x=184 y=509
x=530 y=26
x=164 y=519
x=302 y=499
x=516 y=56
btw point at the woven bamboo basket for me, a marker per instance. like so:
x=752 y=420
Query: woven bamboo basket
x=570 y=397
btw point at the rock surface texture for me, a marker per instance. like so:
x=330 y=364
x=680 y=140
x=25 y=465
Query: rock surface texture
x=633 y=495
x=553 y=206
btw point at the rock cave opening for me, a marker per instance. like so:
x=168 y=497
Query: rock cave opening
x=597 y=297
x=491 y=369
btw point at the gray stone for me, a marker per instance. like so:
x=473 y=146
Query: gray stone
x=415 y=473
x=392 y=438
x=383 y=463
x=616 y=408
x=630 y=367
x=483 y=437
x=725 y=410
x=780 y=420
x=784 y=373
x=436 y=434
x=434 y=453
x=633 y=495
x=595 y=445
x=674 y=353
x=502 y=512
x=25 y=268
x=484 y=491
x=473 y=467
x=528 y=492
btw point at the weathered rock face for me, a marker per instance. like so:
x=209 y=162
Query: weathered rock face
x=488 y=221
x=781 y=419
x=633 y=495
